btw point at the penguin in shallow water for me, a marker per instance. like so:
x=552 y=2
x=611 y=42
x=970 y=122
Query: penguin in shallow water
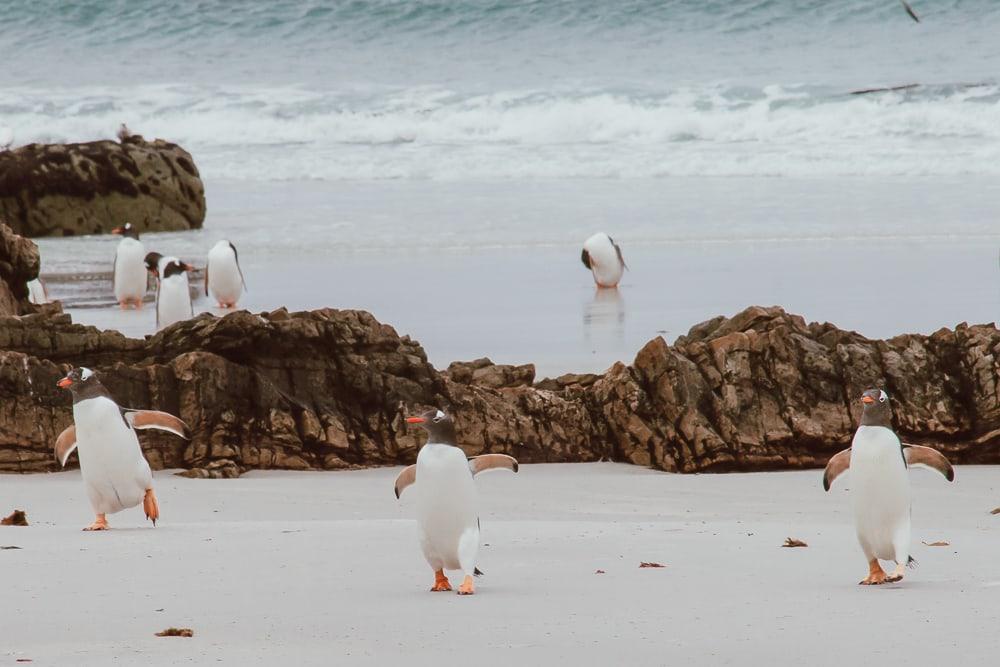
x=114 y=470
x=447 y=502
x=173 y=293
x=604 y=259
x=227 y=283
x=129 y=278
x=880 y=486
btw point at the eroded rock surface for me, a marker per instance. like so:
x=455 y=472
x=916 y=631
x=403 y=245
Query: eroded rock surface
x=19 y=263
x=90 y=188
x=330 y=389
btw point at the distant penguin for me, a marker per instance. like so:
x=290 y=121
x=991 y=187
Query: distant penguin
x=37 y=293
x=173 y=293
x=604 y=259
x=129 y=278
x=223 y=269
x=114 y=470
x=880 y=486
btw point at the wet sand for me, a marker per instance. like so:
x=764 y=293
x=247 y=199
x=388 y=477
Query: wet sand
x=324 y=568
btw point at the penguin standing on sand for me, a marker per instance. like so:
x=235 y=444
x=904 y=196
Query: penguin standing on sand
x=604 y=259
x=227 y=283
x=880 y=486
x=129 y=278
x=447 y=504
x=115 y=472
x=173 y=293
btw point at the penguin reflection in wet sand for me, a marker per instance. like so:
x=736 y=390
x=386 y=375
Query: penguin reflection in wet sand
x=604 y=259
x=129 y=278
x=880 y=486
x=223 y=276
x=447 y=504
x=114 y=470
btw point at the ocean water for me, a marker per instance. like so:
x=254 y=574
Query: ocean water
x=439 y=163
x=515 y=89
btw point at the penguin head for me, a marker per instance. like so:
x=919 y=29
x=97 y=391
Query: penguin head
x=79 y=380
x=126 y=230
x=152 y=262
x=876 y=409
x=175 y=267
x=439 y=426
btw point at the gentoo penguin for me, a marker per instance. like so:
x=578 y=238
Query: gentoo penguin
x=227 y=278
x=880 y=486
x=173 y=295
x=37 y=293
x=604 y=259
x=113 y=468
x=129 y=279
x=447 y=507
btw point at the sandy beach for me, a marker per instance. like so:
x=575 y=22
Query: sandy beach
x=323 y=568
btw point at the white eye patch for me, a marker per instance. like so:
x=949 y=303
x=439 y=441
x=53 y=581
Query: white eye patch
x=85 y=373
x=439 y=415
x=882 y=396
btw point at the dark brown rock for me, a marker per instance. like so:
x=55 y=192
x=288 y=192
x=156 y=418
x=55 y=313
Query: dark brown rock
x=19 y=264
x=90 y=188
x=330 y=389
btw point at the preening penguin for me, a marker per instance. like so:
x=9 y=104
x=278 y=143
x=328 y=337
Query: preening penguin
x=447 y=502
x=880 y=486
x=227 y=283
x=112 y=465
x=604 y=259
x=129 y=277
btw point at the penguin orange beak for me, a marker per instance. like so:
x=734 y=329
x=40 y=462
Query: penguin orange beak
x=65 y=382
x=415 y=420
x=187 y=267
x=118 y=230
x=867 y=399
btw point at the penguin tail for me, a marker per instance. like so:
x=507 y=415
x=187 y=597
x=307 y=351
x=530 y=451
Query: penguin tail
x=911 y=562
x=480 y=573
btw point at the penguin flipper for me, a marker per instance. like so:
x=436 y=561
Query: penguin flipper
x=621 y=259
x=164 y=421
x=837 y=464
x=585 y=258
x=478 y=464
x=926 y=457
x=407 y=477
x=65 y=444
x=206 y=280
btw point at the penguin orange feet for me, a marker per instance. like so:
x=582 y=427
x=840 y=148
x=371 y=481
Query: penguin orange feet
x=467 y=587
x=876 y=575
x=123 y=304
x=138 y=304
x=897 y=574
x=100 y=523
x=441 y=582
x=150 y=505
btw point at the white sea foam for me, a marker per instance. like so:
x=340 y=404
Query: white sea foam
x=436 y=133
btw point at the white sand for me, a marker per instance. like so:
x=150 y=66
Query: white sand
x=323 y=568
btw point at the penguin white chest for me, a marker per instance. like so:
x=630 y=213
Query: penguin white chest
x=224 y=279
x=880 y=492
x=130 y=270
x=111 y=462
x=173 y=301
x=447 y=503
x=605 y=264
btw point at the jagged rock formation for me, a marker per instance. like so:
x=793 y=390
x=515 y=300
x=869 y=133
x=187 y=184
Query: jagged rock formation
x=330 y=389
x=89 y=188
x=19 y=263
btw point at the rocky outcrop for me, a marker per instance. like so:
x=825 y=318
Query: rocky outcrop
x=19 y=263
x=330 y=389
x=90 y=188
